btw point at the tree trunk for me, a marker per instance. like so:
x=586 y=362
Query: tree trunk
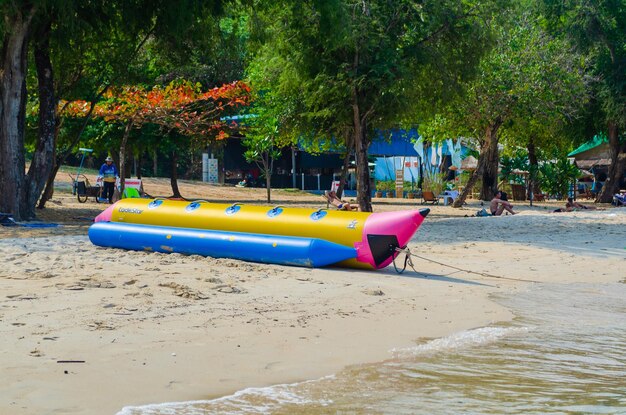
x=43 y=159
x=616 y=168
x=268 y=186
x=492 y=160
x=155 y=165
x=60 y=158
x=486 y=157
x=344 y=173
x=138 y=164
x=480 y=166
x=267 y=165
x=49 y=190
x=122 y=162
x=13 y=95
x=364 y=197
x=533 y=183
x=174 y=178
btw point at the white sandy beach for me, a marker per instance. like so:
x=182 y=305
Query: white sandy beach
x=89 y=330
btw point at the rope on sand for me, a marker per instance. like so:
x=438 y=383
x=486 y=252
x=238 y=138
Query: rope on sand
x=407 y=260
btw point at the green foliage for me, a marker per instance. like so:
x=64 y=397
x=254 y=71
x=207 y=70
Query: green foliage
x=409 y=186
x=263 y=138
x=598 y=29
x=388 y=53
x=385 y=185
x=527 y=76
x=348 y=67
x=261 y=147
x=434 y=181
x=556 y=177
x=508 y=164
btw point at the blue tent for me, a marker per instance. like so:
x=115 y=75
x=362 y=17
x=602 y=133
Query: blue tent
x=394 y=143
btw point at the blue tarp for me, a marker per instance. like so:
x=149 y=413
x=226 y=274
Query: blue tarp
x=386 y=168
x=395 y=142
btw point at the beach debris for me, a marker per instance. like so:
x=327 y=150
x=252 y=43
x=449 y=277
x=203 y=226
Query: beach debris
x=22 y=296
x=101 y=325
x=184 y=291
x=81 y=285
x=36 y=353
x=70 y=361
x=229 y=290
x=371 y=291
x=42 y=274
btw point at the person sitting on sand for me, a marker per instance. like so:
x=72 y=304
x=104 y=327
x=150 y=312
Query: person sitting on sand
x=499 y=204
x=574 y=205
x=571 y=206
x=331 y=197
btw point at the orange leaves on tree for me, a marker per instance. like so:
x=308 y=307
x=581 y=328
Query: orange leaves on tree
x=182 y=106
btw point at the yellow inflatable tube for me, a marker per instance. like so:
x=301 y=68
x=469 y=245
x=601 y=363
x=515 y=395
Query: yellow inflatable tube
x=243 y=218
x=373 y=234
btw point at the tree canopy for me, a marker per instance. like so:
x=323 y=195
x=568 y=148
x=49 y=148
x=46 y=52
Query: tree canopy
x=354 y=66
x=528 y=78
x=540 y=74
x=598 y=29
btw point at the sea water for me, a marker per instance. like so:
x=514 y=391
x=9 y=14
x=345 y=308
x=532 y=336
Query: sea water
x=564 y=353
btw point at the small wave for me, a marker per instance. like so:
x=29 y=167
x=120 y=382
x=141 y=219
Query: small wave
x=265 y=399
x=461 y=340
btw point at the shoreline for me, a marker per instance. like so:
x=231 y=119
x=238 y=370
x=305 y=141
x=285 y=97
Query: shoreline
x=154 y=328
x=295 y=325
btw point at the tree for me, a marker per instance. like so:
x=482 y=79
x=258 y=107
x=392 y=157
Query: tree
x=527 y=75
x=263 y=136
x=82 y=72
x=359 y=65
x=598 y=29
x=557 y=177
x=180 y=109
x=262 y=145
x=18 y=22
x=23 y=20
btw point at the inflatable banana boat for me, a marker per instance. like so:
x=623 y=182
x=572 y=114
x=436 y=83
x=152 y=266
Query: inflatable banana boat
x=280 y=235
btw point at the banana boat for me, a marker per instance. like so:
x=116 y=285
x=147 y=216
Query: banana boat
x=282 y=235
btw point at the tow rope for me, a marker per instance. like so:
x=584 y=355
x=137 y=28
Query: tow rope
x=408 y=261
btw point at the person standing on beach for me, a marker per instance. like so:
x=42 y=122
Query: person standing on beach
x=109 y=175
x=499 y=204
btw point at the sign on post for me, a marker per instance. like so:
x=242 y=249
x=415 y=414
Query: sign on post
x=213 y=175
x=399 y=183
x=133 y=184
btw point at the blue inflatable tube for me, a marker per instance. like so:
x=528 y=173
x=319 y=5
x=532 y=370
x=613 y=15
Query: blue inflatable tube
x=272 y=249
